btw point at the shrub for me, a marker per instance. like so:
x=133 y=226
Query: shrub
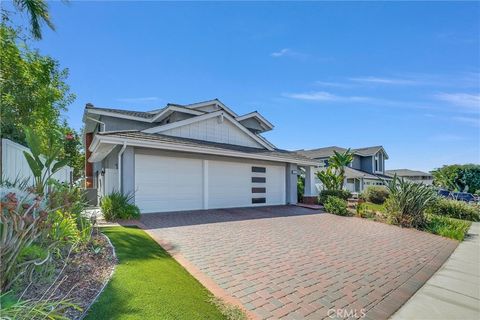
x=300 y=188
x=336 y=205
x=342 y=194
x=23 y=219
x=455 y=209
x=64 y=228
x=407 y=202
x=376 y=194
x=447 y=227
x=117 y=206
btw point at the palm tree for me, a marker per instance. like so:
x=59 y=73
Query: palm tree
x=38 y=12
x=339 y=161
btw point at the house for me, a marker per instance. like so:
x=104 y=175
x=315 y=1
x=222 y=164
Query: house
x=366 y=169
x=412 y=175
x=190 y=157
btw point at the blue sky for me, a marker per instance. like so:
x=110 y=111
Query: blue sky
x=402 y=75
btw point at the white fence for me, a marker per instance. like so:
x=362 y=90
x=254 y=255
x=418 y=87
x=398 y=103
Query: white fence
x=15 y=166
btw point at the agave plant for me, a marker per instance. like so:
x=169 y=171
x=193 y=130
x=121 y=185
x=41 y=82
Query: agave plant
x=23 y=217
x=408 y=201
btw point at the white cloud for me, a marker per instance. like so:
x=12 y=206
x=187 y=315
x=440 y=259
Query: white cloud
x=464 y=100
x=286 y=52
x=332 y=84
x=324 y=96
x=390 y=81
x=138 y=100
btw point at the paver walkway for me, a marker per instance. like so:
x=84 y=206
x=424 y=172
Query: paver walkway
x=454 y=291
x=288 y=262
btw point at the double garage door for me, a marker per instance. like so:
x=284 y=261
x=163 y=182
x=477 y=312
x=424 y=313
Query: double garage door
x=165 y=183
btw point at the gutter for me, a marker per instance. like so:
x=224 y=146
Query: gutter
x=120 y=154
x=168 y=146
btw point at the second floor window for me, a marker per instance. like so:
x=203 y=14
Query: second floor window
x=377 y=162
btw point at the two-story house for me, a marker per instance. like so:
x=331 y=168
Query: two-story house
x=190 y=157
x=366 y=169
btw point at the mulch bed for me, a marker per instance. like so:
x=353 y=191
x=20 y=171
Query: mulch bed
x=82 y=278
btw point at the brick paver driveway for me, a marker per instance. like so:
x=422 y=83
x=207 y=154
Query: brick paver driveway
x=296 y=263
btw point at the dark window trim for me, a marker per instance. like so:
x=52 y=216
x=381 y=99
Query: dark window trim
x=259 y=169
x=259 y=190
x=259 y=200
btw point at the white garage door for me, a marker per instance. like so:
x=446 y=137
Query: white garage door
x=168 y=184
x=172 y=184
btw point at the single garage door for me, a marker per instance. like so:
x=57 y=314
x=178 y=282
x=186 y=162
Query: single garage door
x=165 y=183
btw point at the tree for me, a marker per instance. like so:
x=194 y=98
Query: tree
x=339 y=161
x=462 y=178
x=330 y=179
x=34 y=94
x=333 y=177
x=37 y=11
x=32 y=87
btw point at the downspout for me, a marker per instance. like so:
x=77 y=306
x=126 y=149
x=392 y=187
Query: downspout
x=120 y=153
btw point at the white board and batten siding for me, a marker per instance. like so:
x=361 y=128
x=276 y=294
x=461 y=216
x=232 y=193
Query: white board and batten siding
x=214 y=130
x=168 y=183
x=15 y=166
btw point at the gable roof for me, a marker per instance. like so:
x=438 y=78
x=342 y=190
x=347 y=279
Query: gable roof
x=255 y=114
x=407 y=173
x=329 y=151
x=140 y=115
x=219 y=113
x=151 y=140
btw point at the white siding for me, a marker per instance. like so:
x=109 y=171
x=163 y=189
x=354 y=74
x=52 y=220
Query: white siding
x=212 y=130
x=14 y=164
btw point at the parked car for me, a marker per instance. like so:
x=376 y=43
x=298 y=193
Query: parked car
x=463 y=196
x=444 y=193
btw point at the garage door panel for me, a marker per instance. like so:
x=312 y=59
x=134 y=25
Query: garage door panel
x=168 y=184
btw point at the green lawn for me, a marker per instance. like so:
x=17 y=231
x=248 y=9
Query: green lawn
x=374 y=207
x=149 y=284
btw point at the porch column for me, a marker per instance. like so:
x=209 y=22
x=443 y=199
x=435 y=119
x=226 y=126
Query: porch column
x=311 y=194
x=291 y=183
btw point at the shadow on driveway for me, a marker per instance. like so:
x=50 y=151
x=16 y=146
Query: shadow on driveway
x=198 y=217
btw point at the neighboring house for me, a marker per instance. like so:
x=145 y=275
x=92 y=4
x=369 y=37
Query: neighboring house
x=412 y=175
x=190 y=157
x=366 y=169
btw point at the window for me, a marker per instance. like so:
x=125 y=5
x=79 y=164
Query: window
x=259 y=179
x=259 y=190
x=259 y=169
x=377 y=163
x=259 y=200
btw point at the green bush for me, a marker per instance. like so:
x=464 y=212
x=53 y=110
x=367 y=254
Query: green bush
x=447 y=227
x=376 y=194
x=64 y=228
x=117 y=206
x=336 y=205
x=342 y=194
x=407 y=202
x=455 y=209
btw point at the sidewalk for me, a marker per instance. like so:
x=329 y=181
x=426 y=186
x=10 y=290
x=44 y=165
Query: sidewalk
x=454 y=291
